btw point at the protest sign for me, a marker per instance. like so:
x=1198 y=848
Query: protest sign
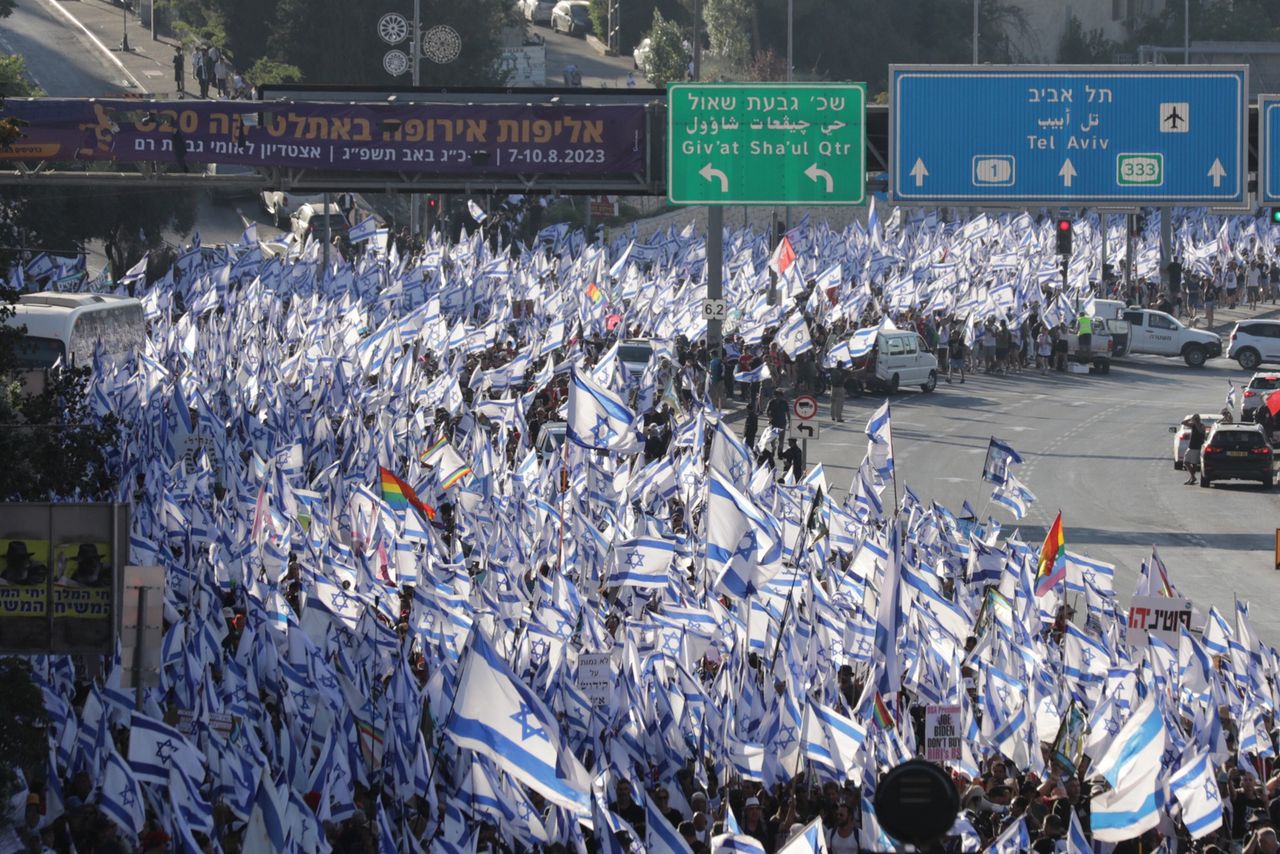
x=1159 y=616
x=942 y=733
x=595 y=677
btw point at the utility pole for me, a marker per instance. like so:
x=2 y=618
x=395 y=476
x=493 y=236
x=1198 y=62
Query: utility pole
x=791 y=62
x=124 y=30
x=328 y=238
x=415 y=59
x=1186 y=32
x=975 y=31
x=714 y=283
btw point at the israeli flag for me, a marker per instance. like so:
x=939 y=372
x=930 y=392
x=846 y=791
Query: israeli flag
x=742 y=542
x=498 y=716
x=643 y=562
x=363 y=231
x=1196 y=788
x=1013 y=496
x=121 y=796
x=597 y=418
x=755 y=375
x=477 y=212
x=1000 y=456
x=155 y=747
x=811 y=840
x=880 y=442
x=1132 y=765
x=862 y=342
x=794 y=338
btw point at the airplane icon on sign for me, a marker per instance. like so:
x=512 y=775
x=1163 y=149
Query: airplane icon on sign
x=1175 y=117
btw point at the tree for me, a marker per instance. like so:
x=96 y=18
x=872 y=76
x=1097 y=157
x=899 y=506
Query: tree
x=667 y=61
x=728 y=28
x=14 y=82
x=268 y=72
x=1084 y=48
x=23 y=743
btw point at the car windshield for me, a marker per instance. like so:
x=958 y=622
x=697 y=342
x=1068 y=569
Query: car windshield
x=634 y=353
x=1237 y=440
x=579 y=13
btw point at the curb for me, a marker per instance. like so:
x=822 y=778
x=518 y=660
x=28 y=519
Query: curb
x=599 y=46
x=115 y=60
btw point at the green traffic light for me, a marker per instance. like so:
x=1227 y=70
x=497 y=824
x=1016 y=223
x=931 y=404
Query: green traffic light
x=1275 y=215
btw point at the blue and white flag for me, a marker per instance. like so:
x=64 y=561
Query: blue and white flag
x=477 y=212
x=812 y=839
x=758 y=374
x=1013 y=496
x=999 y=457
x=1195 y=787
x=744 y=545
x=1132 y=765
x=1015 y=839
x=643 y=562
x=363 y=230
x=498 y=716
x=880 y=442
x=862 y=342
x=793 y=337
x=155 y=747
x=121 y=796
x=597 y=418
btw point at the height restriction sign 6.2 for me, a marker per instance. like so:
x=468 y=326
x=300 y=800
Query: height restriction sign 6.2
x=766 y=143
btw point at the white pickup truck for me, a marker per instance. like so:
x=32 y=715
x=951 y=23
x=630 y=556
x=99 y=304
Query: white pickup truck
x=1159 y=334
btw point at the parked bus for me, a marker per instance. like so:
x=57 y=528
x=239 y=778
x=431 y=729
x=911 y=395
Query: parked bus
x=69 y=327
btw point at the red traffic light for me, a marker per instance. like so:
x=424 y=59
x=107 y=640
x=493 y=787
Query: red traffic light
x=1064 y=225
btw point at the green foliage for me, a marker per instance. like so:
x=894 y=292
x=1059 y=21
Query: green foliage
x=1084 y=48
x=1214 y=20
x=128 y=220
x=668 y=62
x=7 y=7
x=728 y=29
x=599 y=10
x=14 y=82
x=268 y=72
x=23 y=743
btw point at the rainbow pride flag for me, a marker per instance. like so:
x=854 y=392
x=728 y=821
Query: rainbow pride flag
x=400 y=495
x=1052 y=567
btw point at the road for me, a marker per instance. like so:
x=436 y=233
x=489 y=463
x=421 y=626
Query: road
x=597 y=71
x=59 y=58
x=1098 y=448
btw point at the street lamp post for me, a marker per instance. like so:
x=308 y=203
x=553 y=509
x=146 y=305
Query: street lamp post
x=124 y=28
x=1186 y=32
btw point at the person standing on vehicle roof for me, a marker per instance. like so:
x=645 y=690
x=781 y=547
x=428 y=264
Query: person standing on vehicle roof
x=1084 y=333
x=1195 y=443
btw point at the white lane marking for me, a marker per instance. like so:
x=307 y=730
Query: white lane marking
x=54 y=4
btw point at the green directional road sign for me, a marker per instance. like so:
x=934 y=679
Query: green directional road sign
x=766 y=143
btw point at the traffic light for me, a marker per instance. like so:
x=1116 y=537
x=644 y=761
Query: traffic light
x=1275 y=216
x=1064 y=237
x=433 y=211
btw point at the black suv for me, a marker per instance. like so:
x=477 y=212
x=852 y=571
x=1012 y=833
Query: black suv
x=1238 y=452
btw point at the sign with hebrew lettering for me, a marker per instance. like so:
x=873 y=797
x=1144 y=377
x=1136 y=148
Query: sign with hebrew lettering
x=1159 y=616
x=454 y=139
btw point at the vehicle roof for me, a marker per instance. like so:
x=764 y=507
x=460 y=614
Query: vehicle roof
x=1257 y=320
x=66 y=301
x=333 y=208
x=1236 y=425
x=51 y=315
x=1265 y=375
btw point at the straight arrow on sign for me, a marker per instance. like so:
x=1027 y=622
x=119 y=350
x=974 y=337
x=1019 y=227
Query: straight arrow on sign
x=919 y=172
x=708 y=171
x=1067 y=172
x=1217 y=173
x=813 y=172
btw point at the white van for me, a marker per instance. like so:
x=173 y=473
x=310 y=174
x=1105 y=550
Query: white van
x=70 y=326
x=899 y=358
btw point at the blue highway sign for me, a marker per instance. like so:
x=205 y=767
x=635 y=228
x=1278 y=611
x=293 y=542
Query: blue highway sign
x=1269 y=149
x=1077 y=135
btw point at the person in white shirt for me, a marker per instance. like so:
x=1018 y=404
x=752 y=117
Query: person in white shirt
x=844 y=836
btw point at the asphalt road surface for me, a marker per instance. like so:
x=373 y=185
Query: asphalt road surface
x=1099 y=449
x=59 y=58
x=597 y=71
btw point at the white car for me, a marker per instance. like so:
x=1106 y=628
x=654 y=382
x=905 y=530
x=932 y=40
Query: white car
x=1161 y=334
x=1255 y=342
x=538 y=11
x=1261 y=386
x=282 y=206
x=899 y=358
x=640 y=56
x=1182 y=433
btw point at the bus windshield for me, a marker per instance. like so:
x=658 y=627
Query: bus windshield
x=35 y=353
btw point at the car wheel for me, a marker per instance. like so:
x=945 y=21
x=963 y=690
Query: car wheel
x=893 y=385
x=1194 y=356
x=1204 y=481
x=1248 y=358
x=931 y=384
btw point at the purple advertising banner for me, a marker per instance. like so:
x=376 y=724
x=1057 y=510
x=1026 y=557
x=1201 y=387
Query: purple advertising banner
x=450 y=139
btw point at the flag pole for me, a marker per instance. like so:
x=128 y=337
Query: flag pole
x=795 y=549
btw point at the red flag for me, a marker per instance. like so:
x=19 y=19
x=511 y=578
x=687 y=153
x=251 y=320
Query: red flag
x=784 y=255
x=1273 y=403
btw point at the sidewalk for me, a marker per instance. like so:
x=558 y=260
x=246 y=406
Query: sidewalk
x=148 y=65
